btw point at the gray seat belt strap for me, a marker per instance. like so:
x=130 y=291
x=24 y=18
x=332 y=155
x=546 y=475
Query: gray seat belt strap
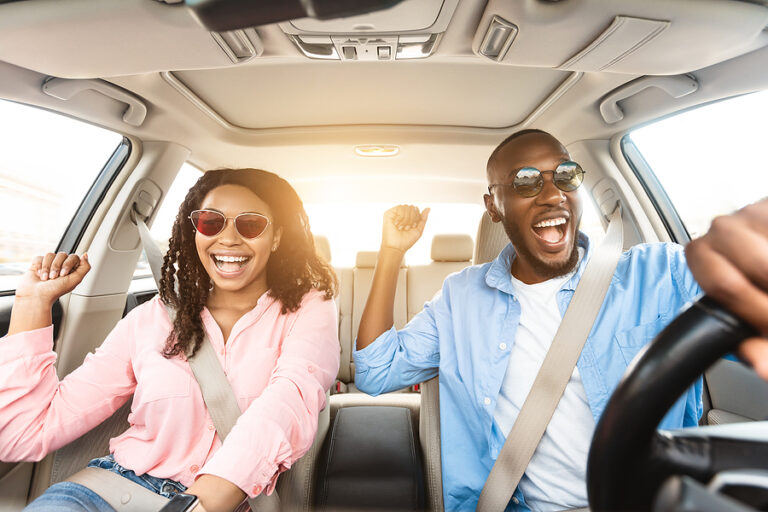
x=217 y=393
x=555 y=372
x=122 y=494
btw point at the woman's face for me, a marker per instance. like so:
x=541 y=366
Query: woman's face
x=247 y=273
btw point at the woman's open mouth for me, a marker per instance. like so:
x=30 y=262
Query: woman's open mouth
x=229 y=265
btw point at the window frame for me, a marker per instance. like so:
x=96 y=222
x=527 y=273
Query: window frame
x=75 y=231
x=654 y=191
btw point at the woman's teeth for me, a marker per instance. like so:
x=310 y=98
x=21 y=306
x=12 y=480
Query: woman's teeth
x=230 y=263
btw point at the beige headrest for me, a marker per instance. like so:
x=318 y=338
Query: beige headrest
x=323 y=247
x=367 y=259
x=491 y=239
x=452 y=248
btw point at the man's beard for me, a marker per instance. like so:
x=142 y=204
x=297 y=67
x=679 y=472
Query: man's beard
x=542 y=268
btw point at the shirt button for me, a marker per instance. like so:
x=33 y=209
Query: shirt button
x=222 y=351
x=515 y=500
x=256 y=489
x=487 y=401
x=503 y=346
x=310 y=368
x=194 y=468
x=211 y=427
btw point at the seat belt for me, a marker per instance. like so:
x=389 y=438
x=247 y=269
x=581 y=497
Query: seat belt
x=126 y=496
x=555 y=372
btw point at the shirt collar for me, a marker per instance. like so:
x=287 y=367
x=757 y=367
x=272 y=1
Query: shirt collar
x=500 y=269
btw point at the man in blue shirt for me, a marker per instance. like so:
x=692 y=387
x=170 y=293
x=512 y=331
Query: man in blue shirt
x=488 y=330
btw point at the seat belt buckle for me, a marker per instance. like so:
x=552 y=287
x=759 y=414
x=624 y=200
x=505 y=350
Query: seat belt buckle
x=339 y=388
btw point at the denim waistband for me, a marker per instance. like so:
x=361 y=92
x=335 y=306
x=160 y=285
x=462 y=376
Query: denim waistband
x=163 y=486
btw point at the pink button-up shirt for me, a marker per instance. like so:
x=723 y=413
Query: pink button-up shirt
x=279 y=366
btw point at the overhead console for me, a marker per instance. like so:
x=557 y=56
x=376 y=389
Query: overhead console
x=409 y=30
x=655 y=37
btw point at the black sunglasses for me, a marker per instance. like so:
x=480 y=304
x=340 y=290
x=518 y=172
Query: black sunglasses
x=529 y=181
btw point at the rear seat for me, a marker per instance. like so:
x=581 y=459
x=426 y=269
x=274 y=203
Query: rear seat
x=415 y=286
x=450 y=253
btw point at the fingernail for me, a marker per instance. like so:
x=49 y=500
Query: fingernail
x=44 y=276
x=53 y=274
x=64 y=272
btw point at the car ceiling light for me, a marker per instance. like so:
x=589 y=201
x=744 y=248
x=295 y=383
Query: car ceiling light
x=376 y=150
x=498 y=38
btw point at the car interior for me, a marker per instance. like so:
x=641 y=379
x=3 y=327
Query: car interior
x=360 y=111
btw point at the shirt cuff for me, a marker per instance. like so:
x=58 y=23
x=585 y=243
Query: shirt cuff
x=380 y=352
x=36 y=341
x=256 y=474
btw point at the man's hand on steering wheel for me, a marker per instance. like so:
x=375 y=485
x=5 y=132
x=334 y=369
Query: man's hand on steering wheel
x=730 y=263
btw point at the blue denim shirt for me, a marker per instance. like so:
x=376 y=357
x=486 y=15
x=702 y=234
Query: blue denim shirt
x=461 y=332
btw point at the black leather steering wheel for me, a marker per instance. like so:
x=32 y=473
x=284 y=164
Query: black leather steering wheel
x=628 y=460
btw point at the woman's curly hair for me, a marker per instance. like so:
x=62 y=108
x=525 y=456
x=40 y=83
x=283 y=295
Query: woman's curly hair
x=292 y=270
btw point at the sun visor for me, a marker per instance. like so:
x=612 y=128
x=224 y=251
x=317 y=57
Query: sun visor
x=655 y=37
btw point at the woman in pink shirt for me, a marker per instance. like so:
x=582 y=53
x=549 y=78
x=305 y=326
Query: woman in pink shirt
x=242 y=267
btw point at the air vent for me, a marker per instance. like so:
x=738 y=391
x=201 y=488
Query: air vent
x=239 y=45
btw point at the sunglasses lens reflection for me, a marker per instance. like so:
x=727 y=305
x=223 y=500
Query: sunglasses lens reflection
x=568 y=176
x=251 y=225
x=208 y=223
x=528 y=181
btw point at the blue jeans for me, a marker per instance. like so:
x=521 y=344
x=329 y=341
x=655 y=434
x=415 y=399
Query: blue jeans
x=72 y=497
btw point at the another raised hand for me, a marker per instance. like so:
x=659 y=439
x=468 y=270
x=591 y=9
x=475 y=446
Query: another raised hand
x=48 y=278
x=403 y=226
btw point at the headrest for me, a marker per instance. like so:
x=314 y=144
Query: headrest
x=491 y=239
x=367 y=259
x=323 y=247
x=452 y=248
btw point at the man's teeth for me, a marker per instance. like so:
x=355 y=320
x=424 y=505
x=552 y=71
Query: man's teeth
x=550 y=222
x=230 y=259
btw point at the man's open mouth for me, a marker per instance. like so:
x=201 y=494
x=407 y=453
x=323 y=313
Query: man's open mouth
x=551 y=231
x=229 y=264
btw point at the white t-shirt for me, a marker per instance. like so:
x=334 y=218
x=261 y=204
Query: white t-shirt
x=556 y=476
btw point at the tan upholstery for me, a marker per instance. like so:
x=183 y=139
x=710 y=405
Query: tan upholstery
x=491 y=239
x=429 y=439
x=451 y=253
x=344 y=303
x=323 y=247
x=452 y=248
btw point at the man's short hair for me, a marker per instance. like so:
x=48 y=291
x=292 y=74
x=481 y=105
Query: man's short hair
x=515 y=135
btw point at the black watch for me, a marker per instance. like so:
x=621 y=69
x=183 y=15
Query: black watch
x=181 y=502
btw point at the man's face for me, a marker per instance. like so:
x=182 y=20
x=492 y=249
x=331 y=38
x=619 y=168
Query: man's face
x=542 y=228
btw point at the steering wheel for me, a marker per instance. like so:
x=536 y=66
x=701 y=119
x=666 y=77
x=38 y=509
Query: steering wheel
x=629 y=461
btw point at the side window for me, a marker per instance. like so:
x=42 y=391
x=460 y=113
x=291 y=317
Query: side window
x=710 y=161
x=161 y=227
x=48 y=162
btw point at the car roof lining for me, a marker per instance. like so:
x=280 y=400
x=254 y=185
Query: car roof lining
x=434 y=157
